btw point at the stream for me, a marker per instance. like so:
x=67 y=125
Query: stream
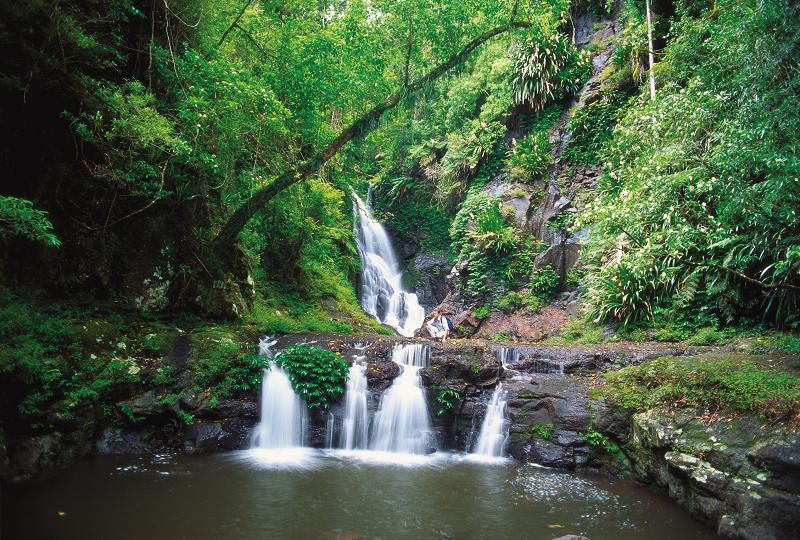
x=334 y=495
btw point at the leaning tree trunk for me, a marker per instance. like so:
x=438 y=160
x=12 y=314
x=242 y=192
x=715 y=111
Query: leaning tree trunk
x=231 y=229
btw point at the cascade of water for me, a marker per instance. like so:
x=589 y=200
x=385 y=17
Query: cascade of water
x=508 y=357
x=283 y=413
x=548 y=367
x=402 y=423
x=330 y=428
x=356 y=422
x=494 y=430
x=382 y=294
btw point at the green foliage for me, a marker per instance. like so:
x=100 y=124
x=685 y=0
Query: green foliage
x=46 y=366
x=476 y=204
x=447 y=399
x=411 y=219
x=501 y=337
x=530 y=158
x=165 y=375
x=595 y=438
x=547 y=67
x=591 y=128
x=515 y=300
x=18 y=217
x=543 y=282
x=318 y=375
x=716 y=384
x=226 y=365
x=575 y=276
x=491 y=233
x=698 y=209
x=543 y=431
x=579 y=331
x=777 y=341
x=481 y=312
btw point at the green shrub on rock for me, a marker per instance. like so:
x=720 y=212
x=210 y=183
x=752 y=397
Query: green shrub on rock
x=318 y=375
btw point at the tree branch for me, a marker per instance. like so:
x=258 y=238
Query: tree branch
x=252 y=40
x=234 y=23
x=409 y=48
x=231 y=229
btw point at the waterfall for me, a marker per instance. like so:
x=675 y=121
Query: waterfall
x=283 y=413
x=330 y=428
x=494 y=430
x=382 y=294
x=356 y=422
x=508 y=356
x=402 y=423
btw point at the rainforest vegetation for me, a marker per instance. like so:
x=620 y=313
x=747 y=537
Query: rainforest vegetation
x=180 y=163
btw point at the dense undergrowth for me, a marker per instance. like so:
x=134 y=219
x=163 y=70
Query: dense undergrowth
x=696 y=212
x=68 y=364
x=714 y=384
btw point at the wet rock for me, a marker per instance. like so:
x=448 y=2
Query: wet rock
x=115 y=441
x=43 y=452
x=781 y=457
x=571 y=537
x=180 y=351
x=560 y=402
x=145 y=404
x=431 y=272
x=201 y=406
x=738 y=477
x=232 y=434
x=381 y=374
x=550 y=454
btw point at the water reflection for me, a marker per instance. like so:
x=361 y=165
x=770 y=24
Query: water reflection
x=335 y=495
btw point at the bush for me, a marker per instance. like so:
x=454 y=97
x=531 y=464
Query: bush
x=318 y=375
x=543 y=431
x=579 y=331
x=595 y=438
x=530 y=158
x=716 y=384
x=481 y=312
x=514 y=300
x=544 y=282
x=447 y=399
x=591 y=128
x=18 y=217
x=227 y=366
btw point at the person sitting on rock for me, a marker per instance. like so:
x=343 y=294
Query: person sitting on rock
x=438 y=326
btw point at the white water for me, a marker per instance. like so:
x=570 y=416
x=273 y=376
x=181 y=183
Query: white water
x=494 y=430
x=382 y=294
x=402 y=423
x=508 y=356
x=355 y=426
x=279 y=435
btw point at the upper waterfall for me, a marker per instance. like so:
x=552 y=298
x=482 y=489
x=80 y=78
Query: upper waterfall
x=382 y=294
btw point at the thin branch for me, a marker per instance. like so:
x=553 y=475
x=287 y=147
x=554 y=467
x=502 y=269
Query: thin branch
x=148 y=205
x=253 y=41
x=195 y=25
x=409 y=48
x=234 y=23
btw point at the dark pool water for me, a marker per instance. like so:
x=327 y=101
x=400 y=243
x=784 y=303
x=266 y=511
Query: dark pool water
x=333 y=497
